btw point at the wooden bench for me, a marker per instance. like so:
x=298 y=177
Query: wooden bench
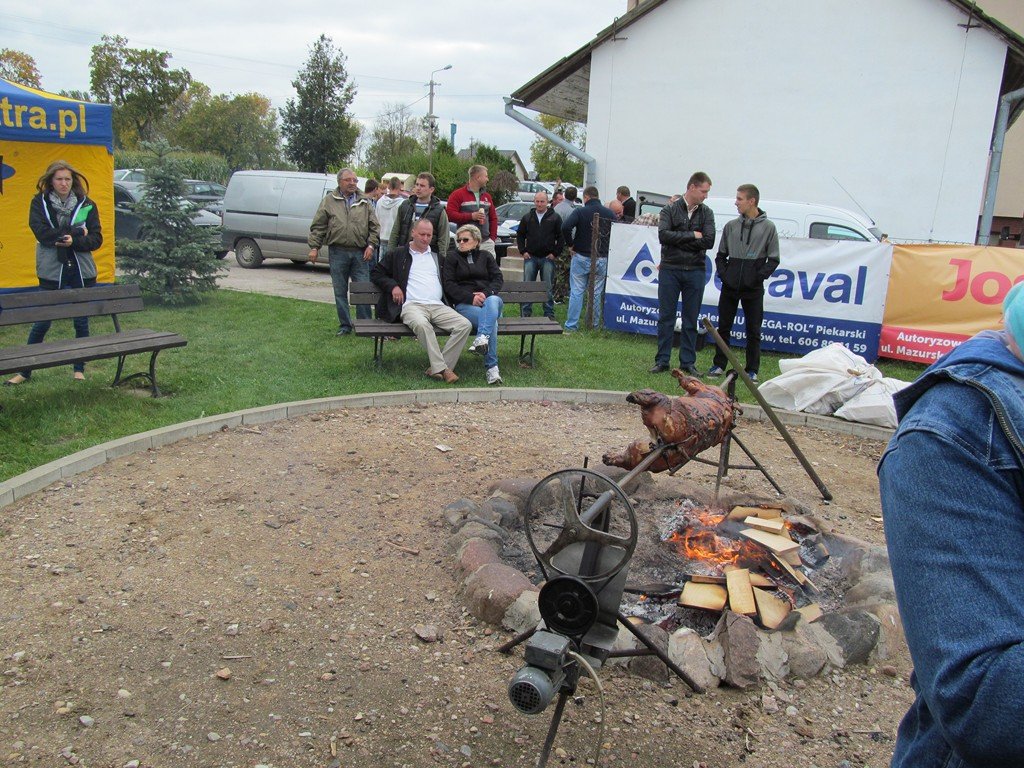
x=534 y=292
x=30 y=306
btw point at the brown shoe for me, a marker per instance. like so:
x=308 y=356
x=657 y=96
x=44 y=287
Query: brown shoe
x=448 y=376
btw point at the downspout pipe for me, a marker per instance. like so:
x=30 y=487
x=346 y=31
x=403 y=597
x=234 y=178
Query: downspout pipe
x=998 y=140
x=589 y=163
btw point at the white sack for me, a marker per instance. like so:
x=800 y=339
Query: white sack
x=820 y=381
x=874 y=405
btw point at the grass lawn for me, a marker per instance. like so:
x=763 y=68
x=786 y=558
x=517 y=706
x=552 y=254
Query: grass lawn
x=246 y=350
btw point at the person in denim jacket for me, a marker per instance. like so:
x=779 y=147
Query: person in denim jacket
x=952 y=487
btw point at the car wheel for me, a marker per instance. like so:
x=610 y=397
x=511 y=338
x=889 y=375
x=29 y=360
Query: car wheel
x=248 y=254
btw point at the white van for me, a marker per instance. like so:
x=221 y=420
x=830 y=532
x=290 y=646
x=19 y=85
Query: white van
x=820 y=222
x=267 y=214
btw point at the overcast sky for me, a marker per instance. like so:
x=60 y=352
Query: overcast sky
x=392 y=47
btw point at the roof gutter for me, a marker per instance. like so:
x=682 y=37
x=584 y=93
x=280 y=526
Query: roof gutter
x=589 y=163
x=998 y=139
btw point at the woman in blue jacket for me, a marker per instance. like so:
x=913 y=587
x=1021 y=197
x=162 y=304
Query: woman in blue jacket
x=67 y=227
x=952 y=485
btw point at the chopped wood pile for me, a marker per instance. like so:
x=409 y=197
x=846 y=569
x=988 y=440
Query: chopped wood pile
x=753 y=592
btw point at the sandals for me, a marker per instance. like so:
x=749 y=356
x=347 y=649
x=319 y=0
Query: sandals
x=15 y=380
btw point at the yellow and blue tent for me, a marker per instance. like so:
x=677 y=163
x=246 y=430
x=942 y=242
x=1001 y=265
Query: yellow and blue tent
x=37 y=128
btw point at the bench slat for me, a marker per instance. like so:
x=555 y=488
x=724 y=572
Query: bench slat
x=507 y=326
x=66 y=351
x=32 y=306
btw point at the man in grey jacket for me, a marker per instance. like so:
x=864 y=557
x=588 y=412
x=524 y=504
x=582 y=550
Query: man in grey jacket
x=346 y=223
x=747 y=256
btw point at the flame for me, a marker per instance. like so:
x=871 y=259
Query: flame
x=699 y=540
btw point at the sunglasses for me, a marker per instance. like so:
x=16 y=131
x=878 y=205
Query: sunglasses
x=463 y=240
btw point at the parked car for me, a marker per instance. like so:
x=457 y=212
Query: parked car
x=128 y=224
x=509 y=216
x=527 y=189
x=208 y=194
x=267 y=214
x=130 y=174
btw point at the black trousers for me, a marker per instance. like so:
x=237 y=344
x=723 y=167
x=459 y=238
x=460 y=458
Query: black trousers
x=753 y=315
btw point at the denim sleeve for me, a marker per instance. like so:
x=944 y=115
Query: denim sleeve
x=954 y=525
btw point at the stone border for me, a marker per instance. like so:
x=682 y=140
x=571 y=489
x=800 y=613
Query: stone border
x=36 y=479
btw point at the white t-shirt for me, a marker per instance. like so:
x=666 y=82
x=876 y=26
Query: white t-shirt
x=424 y=285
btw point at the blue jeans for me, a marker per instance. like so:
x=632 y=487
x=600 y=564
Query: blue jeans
x=70 y=277
x=546 y=268
x=579 y=276
x=347 y=264
x=673 y=283
x=485 y=320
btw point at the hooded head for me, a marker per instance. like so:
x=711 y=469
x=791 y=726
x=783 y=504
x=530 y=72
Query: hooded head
x=1013 y=317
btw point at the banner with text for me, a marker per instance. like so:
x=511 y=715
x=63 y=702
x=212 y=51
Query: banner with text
x=941 y=295
x=823 y=291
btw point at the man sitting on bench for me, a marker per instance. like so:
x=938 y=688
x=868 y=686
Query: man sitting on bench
x=409 y=279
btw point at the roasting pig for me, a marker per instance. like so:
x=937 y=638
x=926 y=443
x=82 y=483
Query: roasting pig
x=690 y=424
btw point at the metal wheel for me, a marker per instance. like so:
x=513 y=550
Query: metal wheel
x=248 y=254
x=572 y=508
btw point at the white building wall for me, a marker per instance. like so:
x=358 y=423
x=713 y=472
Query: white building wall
x=891 y=100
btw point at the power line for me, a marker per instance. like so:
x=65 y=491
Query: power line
x=94 y=34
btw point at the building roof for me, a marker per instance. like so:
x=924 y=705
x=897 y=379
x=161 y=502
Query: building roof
x=563 y=89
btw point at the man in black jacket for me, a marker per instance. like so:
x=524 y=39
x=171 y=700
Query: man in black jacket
x=539 y=239
x=409 y=279
x=686 y=230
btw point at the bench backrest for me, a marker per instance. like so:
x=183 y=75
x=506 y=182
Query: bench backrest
x=31 y=306
x=511 y=293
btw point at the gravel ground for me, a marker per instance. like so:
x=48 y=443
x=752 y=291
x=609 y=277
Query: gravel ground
x=231 y=600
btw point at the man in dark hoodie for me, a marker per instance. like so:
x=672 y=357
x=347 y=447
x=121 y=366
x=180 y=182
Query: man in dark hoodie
x=952 y=488
x=747 y=256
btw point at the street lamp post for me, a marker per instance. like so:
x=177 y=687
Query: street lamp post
x=431 y=117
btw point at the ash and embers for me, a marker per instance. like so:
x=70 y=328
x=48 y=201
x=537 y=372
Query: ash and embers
x=687 y=539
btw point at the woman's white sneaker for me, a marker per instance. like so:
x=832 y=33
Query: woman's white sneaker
x=480 y=344
x=493 y=375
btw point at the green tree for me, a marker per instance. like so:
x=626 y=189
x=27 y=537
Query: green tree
x=393 y=137
x=76 y=95
x=19 y=67
x=503 y=183
x=242 y=129
x=551 y=161
x=175 y=259
x=317 y=125
x=138 y=83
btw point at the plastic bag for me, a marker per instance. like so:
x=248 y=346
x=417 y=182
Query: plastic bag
x=820 y=381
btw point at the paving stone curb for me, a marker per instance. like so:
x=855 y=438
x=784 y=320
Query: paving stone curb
x=65 y=467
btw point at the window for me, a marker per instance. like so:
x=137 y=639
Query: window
x=822 y=231
x=122 y=197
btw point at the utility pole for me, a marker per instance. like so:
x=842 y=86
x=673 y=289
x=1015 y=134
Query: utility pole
x=431 y=117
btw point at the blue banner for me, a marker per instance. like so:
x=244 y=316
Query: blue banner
x=823 y=291
x=27 y=114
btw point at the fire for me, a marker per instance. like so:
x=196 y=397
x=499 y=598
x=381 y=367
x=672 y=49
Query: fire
x=700 y=541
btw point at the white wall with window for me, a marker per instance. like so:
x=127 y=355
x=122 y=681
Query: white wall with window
x=883 y=106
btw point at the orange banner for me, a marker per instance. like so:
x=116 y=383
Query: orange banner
x=941 y=295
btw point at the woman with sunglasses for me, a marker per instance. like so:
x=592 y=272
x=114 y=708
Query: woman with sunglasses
x=66 y=224
x=472 y=280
